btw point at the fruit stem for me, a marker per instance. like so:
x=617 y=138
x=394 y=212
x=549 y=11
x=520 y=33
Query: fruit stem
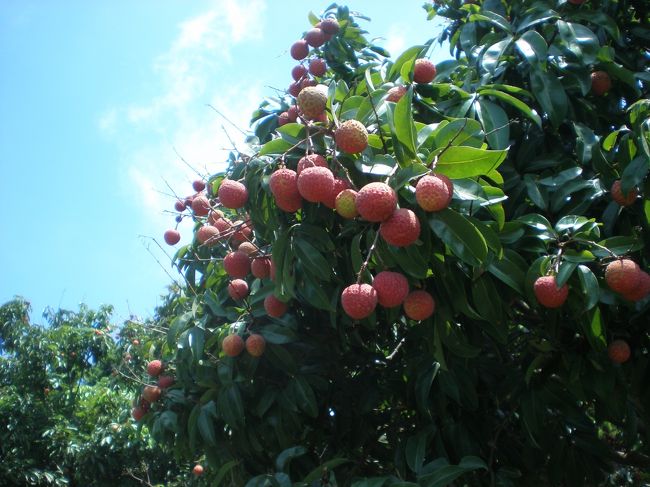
x=365 y=262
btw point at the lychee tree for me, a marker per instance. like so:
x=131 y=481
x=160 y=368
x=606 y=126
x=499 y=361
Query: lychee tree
x=421 y=274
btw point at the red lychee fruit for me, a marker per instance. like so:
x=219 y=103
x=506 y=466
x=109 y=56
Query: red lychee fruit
x=154 y=368
x=274 y=307
x=198 y=185
x=307 y=83
x=138 y=413
x=600 y=83
x=292 y=113
x=284 y=183
x=290 y=204
x=151 y=393
x=179 y=205
x=172 y=237
x=310 y=160
x=619 y=351
x=340 y=184
x=317 y=67
x=419 y=305
x=547 y=292
x=298 y=72
x=299 y=50
x=622 y=276
x=255 y=345
x=243 y=232
x=315 y=37
x=165 y=381
x=201 y=205
x=248 y=248
x=312 y=101
x=396 y=93
x=401 y=229
x=237 y=264
x=359 y=300
x=207 y=235
x=392 y=288
x=214 y=215
x=351 y=137
x=197 y=470
x=223 y=225
x=434 y=192
x=232 y=194
x=315 y=183
x=329 y=26
x=641 y=290
x=261 y=267
x=283 y=119
x=232 y=345
x=424 y=71
x=135 y=342
x=294 y=89
x=238 y=289
x=620 y=198
x=376 y=202
x=345 y=203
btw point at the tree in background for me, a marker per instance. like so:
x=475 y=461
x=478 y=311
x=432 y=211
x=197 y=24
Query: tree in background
x=418 y=274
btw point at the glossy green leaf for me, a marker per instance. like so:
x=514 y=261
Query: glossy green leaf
x=467 y=162
x=463 y=238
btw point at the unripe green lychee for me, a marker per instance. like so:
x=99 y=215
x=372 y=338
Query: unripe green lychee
x=419 y=305
x=359 y=300
x=424 y=71
x=237 y=264
x=315 y=183
x=620 y=198
x=345 y=203
x=434 y=192
x=312 y=101
x=376 y=202
x=547 y=292
x=232 y=194
x=622 y=275
x=238 y=289
x=232 y=345
x=255 y=345
x=619 y=351
x=392 y=288
x=274 y=307
x=401 y=229
x=351 y=137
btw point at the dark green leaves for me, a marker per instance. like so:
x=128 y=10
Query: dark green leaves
x=462 y=237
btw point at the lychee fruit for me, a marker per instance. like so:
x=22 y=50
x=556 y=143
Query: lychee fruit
x=197 y=470
x=238 y=289
x=179 y=205
x=292 y=113
x=641 y=290
x=298 y=72
x=208 y=235
x=619 y=351
x=284 y=183
x=340 y=184
x=376 y=202
x=401 y=229
x=232 y=194
x=232 y=345
x=223 y=225
x=294 y=89
x=622 y=276
x=274 y=307
x=434 y=192
x=248 y=248
x=317 y=67
x=547 y=292
x=396 y=93
x=315 y=37
x=154 y=368
x=299 y=50
x=424 y=71
x=165 y=381
x=308 y=83
x=261 y=267
x=283 y=119
x=310 y=160
x=359 y=300
x=198 y=185
x=138 y=413
x=151 y=393
x=201 y=205
x=330 y=26
x=315 y=183
x=600 y=83
x=351 y=137
x=620 y=198
x=237 y=264
x=243 y=232
x=312 y=101
x=419 y=305
x=255 y=345
x=290 y=204
x=345 y=203
x=392 y=288
x=172 y=237
x=214 y=215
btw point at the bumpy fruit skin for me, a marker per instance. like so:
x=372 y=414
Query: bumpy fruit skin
x=154 y=368
x=434 y=192
x=308 y=83
x=255 y=345
x=243 y=232
x=198 y=185
x=248 y=248
x=207 y=235
x=622 y=276
x=392 y=288
x=401 y=229
x=165 y=381
x=312 y=101
x=351 y=137
x=317 y=67
x=290 y=204
x=547 y=292
x=138 y=413
x=419 y=305
x=396 y=93
x=237 y=264
x=315 y=37
x=223 y=225
x=197 y=470
x=642 y=290
x=619 y=351
x=151 y=393
x=339 y=185
x=201 y=205
x=232 y=194
x=299 y=50
x=261 y=267
x=345 y=203
x=600 y=83
x=232 y=345
x=274 y=307
x=424 y=71
x=214 y=215
x=298 y=72
x=172 y=237
x=310 y=160
x=238 y=289
x=359 y=300
x=284 y=183
x=376 y=202
x=315 y=184
x=620 y=198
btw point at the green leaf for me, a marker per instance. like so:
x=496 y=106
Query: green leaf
x=495 y=123
x=312 y=260
x=550 y=94
x=404 y=126
x=230 y=405
x=533 y=47
x=509 y=273
x=462 y=237
x=205 y=424
x=415 y=450
x=306 y=399
x=446 y=474
x=514 y=102
x=275 y=146
x=467 y=162
x=590 y=287
x=594 y=331
x=318 y=471
x=278 y=334
x=287 y=455
x=224 y=470
x=410 y=55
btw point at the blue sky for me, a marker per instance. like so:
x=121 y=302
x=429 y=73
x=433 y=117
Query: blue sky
x=95 y=97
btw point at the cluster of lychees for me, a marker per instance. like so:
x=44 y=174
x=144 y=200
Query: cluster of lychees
x=152 y=393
